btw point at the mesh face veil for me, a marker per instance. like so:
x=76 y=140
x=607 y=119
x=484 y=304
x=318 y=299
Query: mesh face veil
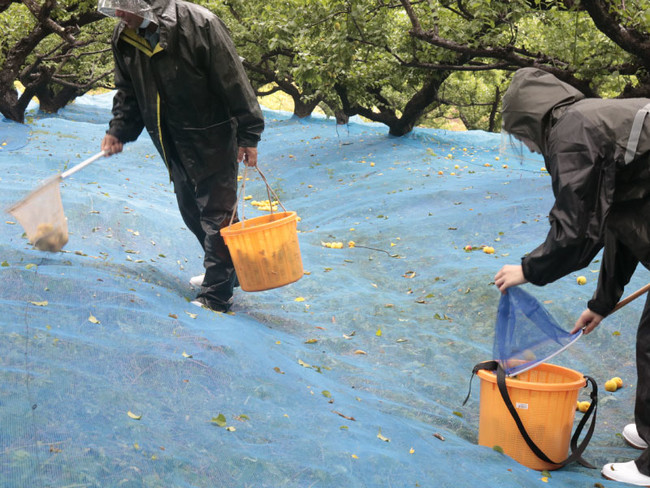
x=138 y=7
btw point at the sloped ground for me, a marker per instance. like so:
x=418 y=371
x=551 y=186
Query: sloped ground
x=354 y=376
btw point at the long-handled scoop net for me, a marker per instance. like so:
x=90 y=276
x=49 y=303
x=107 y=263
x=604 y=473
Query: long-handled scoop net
x=527 y=335
x=41 y=212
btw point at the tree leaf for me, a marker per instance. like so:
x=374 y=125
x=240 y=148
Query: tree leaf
x=93 y=319
x=219 y=420
x=381 y=437
x=133 y=415
x=40 y=304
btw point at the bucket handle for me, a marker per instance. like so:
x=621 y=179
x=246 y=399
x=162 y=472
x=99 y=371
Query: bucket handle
x=269 y=191
x=576 y=450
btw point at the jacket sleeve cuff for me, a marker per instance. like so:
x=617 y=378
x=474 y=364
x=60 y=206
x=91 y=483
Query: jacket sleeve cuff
x=599 y=307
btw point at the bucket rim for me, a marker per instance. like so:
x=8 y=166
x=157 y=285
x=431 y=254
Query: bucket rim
x=256 y=223
x=577 y=379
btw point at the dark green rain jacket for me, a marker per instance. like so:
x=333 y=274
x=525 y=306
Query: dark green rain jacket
x=190 y=90
x=598 y=155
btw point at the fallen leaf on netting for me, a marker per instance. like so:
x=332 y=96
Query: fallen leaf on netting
x=133 y=415
x=458 y=414
x=401 y=340
x=354 y=456
x=409 y=274
x=411 y=451
x=40 y=304
x=326 y=394
x=381 y=437
x=378 y=333
x=311 y=341
x=92 y=319
x=31 y=265
x=192 y=315
x=344 y=416
x=359 y=351
x=278 y=370
x=438 y=436
x=4 y=264
x=242 y=418
x=231 y=429
x=185 y=355
x=219 y=420
x=303 y=364
x=299 y=299
x=173 y=315
x=350 y=335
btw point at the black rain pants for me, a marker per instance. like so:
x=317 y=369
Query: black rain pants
x=642 y=404
x=206 y=208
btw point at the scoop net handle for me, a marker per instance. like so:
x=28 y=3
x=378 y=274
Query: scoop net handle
x=83 y=164
x=632 y=296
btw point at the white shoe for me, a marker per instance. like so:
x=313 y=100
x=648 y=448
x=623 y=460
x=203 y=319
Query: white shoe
x=625 y=473
x=632 y=437
x=197 y=280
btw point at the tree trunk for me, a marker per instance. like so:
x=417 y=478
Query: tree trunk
x=9 y=105
x=51 y=102
x=302 y=109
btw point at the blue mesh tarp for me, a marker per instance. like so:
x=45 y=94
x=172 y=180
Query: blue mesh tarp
x=525 y=334
x=354 y=376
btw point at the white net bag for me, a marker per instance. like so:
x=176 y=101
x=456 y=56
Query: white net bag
x=41 y=215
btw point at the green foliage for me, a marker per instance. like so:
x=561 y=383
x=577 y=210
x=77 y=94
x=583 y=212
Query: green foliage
x=363 y=56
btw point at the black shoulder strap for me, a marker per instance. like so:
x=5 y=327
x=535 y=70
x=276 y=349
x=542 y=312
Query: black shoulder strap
x=487 y=365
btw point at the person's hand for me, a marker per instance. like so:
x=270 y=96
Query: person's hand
x=509 y=275
x=587 y=321
x=111 y=145
x=248 y=155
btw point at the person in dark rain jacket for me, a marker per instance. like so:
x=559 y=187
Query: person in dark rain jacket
x=597 y=153
x=178 y=75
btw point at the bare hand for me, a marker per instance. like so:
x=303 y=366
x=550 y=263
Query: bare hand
x=587 y=321
x=111 y=145
x=248 y=155
x=509 y=275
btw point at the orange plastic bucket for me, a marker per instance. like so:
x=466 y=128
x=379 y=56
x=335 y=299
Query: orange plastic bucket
x=265 y=251
x=545 y=398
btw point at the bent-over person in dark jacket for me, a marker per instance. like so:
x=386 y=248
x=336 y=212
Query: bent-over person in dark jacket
x=598 y=155
x=178 y=75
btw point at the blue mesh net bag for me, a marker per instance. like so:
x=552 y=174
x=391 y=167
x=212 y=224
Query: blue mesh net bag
x=526 y=334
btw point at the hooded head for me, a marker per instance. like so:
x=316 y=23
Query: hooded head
x=111 y=8
x=529 y=101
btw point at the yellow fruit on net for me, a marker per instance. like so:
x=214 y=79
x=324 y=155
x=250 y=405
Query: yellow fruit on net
x=611 y=385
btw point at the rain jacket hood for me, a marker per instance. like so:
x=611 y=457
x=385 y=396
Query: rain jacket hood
x=597 y=152
x=528 y=104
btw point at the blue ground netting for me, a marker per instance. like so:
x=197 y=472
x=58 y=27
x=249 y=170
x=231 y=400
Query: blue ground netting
x=354 y=376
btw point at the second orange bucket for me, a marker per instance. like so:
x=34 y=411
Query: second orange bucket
x=265 y=251
x=545 y=398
